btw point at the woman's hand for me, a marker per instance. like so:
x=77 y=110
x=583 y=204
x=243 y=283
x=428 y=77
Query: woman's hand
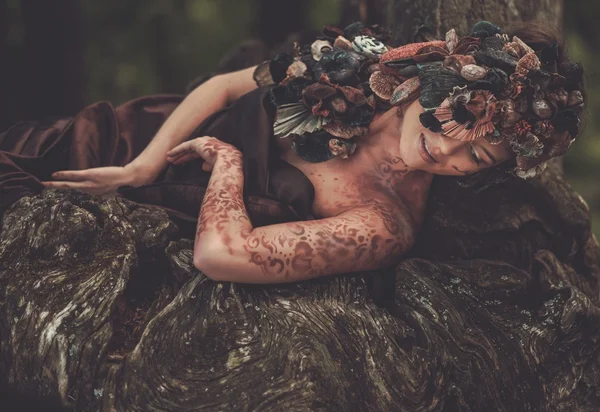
x=97 y=180
x=206 y=147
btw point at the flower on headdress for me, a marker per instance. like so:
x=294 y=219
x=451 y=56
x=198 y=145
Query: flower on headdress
x=467 y=114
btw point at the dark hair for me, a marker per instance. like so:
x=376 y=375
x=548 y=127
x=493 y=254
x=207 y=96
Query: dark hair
x=537 y=35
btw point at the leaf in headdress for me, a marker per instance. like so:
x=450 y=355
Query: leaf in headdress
x=495 y=81
x=295 y=118
x=467 y=44
x=495 y=58
x=403 y=56
x=492 y=43
x=290 y=92
x=436 y=84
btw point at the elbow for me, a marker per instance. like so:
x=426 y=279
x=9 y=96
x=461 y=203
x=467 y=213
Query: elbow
x=208 y=260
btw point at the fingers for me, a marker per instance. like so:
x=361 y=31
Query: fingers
x=65 y=185
x=74 y=175
x=185 y=157
x=207 y=167
x=181 y=148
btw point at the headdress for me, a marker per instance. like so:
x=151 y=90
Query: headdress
x=484 y=85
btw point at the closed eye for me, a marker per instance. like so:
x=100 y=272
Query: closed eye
x=476 y=159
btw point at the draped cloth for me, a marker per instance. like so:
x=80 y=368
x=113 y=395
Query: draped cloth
x=102 y=135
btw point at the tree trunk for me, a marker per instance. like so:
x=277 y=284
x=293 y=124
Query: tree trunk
x=406 y=17
x=496 y=309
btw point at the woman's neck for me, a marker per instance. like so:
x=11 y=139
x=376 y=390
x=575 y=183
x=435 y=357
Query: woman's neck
x=382 y=140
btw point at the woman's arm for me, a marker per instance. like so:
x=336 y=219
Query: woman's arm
x=228 y=248
x=208 y=98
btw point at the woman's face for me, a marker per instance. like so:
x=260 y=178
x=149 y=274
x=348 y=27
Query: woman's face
x=422 y=149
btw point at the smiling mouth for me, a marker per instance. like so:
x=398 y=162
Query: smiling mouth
x=424 y=150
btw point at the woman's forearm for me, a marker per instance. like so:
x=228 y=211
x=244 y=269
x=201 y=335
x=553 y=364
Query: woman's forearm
x=206 y=99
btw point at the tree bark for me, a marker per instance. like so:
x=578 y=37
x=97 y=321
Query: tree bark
x=496 y=309
x=405 y=17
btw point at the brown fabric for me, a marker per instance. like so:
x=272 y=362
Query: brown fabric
x=101 y=135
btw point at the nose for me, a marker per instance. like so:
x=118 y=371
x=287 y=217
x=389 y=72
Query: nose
x=449 y=146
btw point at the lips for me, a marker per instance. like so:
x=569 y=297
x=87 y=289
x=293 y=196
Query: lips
x=423 y=152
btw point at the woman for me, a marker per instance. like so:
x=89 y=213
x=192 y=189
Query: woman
x=369 y=152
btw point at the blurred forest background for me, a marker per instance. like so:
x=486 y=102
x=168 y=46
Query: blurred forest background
x=56 y=56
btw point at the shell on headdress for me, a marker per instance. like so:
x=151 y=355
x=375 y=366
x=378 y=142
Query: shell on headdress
x=472 y=72
x=528 y=145
x=524 y=48
x=457 y=61
x=383 y=84
x=341 y=148
x=513 y=49
x=527 y=63
x=575 y=99
x=467 y=114
x=342 y=43
x=509 y=116
x=542 y=108
x=296 y=118
x=532 y=172
x=543 y=128
x=559 y=97
x=338 y=129
x=297 y=69
x=405 y=92
x=320 y=47
x=451 y=40
x=368 y=46
x=494 y=138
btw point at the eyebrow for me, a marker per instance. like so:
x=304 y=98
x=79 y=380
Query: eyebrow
x=490 y=155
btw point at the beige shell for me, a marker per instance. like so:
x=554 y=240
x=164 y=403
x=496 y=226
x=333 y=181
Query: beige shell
x=525 y=49
x=542 y=108
x=342 y=43
x=319 y=47
x=575 y=98
x=513 y=49
x=451 y=40
x=472 y=72
x=296 y=69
